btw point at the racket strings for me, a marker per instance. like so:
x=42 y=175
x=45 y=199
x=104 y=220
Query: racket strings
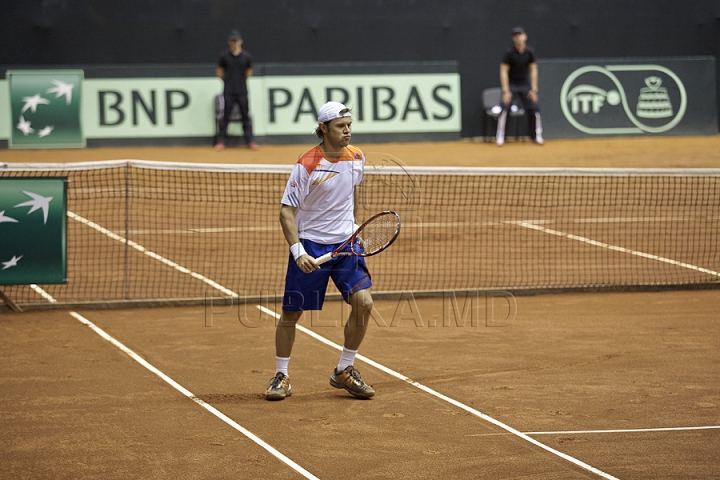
x=377 y=234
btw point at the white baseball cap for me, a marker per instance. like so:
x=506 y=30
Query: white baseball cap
x=331 y=111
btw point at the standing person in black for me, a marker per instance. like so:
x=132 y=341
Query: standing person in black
x=519 y=79
x=234 y=68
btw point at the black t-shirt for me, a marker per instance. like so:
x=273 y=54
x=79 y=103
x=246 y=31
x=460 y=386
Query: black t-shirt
x=235 y=71
x=519 y=62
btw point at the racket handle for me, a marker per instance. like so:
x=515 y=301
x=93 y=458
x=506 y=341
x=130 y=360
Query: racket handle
x=324 y=258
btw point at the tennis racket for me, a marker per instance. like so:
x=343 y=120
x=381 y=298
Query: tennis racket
x=371 y=238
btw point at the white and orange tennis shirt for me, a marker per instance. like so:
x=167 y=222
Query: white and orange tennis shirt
x=323 y=192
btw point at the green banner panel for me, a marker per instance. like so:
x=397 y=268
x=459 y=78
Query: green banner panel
x=625 y=96
x=33 y=231
x=45 y=109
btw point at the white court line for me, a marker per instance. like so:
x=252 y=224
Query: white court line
x=445 y=398
x=626 y=430
x=195 y=399
x=632 y=219
x=43 y=293
x=185 y=231
x=151 y=254
x=595 y=243
x=617 y=430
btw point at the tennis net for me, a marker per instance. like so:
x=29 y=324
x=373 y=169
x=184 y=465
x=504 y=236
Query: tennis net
x=142 y=231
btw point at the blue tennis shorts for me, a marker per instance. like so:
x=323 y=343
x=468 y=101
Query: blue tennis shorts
x=306 y=291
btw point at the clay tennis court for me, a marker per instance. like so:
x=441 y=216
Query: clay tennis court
x=570 y=385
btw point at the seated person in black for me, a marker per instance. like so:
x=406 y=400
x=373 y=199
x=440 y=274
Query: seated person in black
x=519 y=80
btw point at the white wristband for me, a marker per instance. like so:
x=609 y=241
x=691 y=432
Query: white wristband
x=297 y=250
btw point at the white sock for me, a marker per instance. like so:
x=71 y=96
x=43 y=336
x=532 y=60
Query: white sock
x=501 y=123
x=346 y=359
x=281 y=365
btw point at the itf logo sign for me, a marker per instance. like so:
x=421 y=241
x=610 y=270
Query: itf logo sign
x=623 y=99
x=45 y=107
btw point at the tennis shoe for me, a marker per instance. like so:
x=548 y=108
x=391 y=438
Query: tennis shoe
x=500 y=141
x=253 y=146
x=219 y=146
x=279 y=387
x=350 y=380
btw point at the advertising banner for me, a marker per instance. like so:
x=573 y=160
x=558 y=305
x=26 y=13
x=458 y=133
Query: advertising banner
x=618 y=97
x=33 y=231
x=401 y=103
x=54 y=108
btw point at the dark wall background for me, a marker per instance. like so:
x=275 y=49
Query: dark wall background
x=473 y=32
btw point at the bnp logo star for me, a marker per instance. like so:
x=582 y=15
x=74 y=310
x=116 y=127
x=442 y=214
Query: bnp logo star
x=45 y=108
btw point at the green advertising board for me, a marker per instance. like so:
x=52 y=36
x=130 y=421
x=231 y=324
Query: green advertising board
x=45 y=109
x=33 y=231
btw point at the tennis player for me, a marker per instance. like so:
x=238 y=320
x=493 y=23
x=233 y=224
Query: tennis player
x=318 y=213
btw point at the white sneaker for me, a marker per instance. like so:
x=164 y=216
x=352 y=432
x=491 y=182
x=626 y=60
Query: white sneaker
x=500 y=142
x=539 y=141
